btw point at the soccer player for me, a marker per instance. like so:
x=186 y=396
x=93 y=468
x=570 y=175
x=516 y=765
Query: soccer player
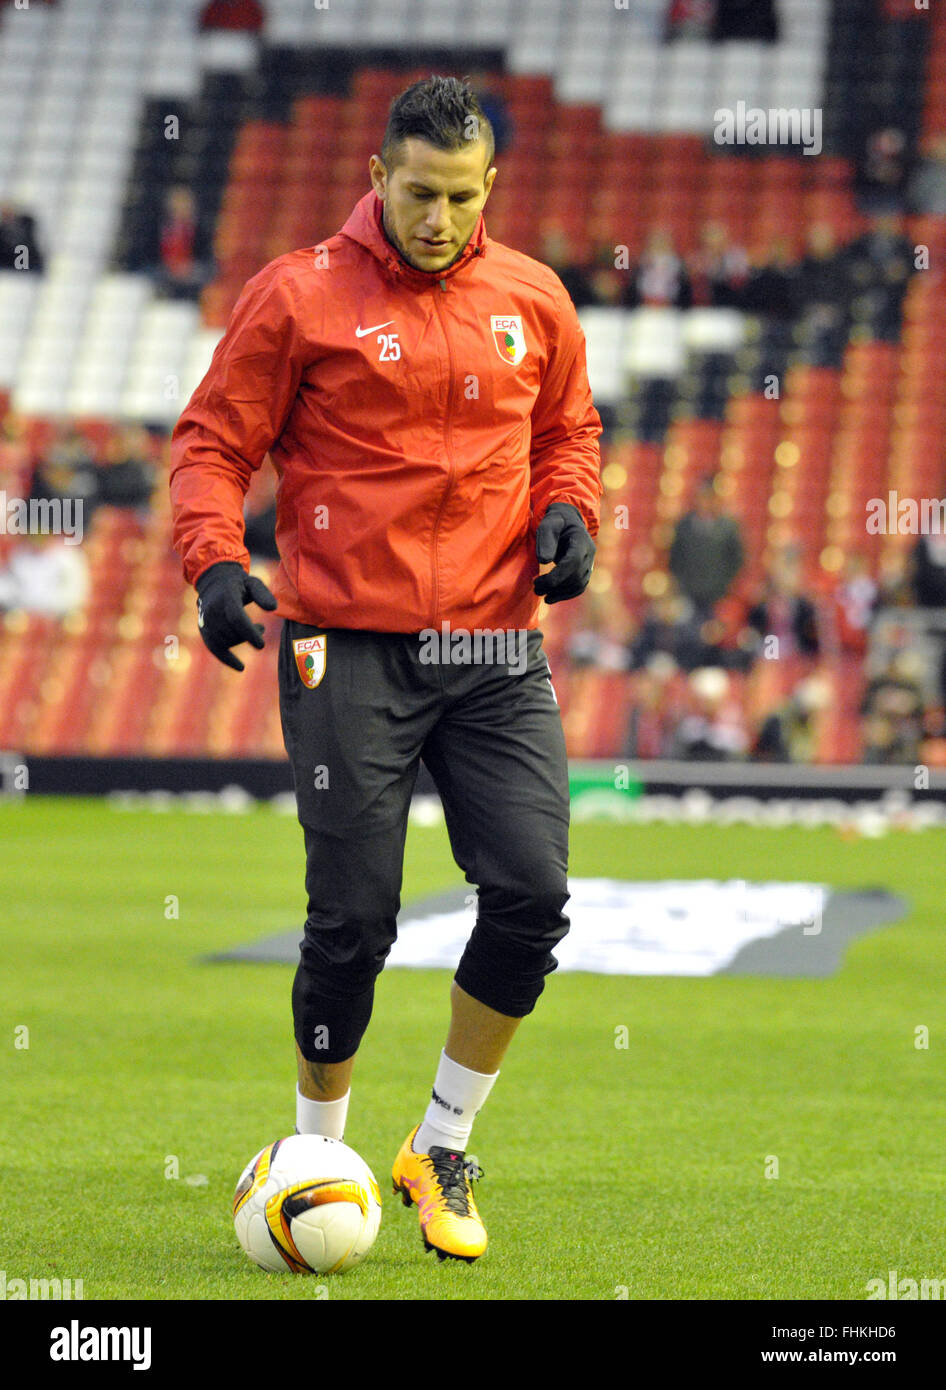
x=423 y=395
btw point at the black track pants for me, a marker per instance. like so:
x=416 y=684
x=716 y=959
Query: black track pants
x=490 y=733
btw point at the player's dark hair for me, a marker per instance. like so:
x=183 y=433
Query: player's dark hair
x=441 y=110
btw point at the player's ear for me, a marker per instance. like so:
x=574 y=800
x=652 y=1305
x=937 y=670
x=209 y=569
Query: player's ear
x=488 y=181
x=378 y=175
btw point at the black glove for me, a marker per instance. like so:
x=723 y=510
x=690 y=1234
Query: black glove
x=563 y=537
x=223 y=621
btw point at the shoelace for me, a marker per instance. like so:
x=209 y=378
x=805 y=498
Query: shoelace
x=454 y=1172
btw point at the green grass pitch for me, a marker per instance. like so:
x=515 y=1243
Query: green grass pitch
x=609 y=1171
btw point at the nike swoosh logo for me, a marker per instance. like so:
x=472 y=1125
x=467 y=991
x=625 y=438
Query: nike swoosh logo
x=360 y=332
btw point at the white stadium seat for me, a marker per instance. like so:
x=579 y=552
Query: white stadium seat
x=154 y=384
x=653 y=346
x=605 y=330
x=713 y=330
x=18 y=293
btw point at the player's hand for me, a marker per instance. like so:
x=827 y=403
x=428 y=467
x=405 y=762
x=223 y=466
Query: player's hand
x=563 y=537
x=223 y=590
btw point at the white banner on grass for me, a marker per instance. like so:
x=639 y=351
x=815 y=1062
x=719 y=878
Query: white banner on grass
x=691 y=927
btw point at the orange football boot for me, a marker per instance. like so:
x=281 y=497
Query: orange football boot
x=439 y=1184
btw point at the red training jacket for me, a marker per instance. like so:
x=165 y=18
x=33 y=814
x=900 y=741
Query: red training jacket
x=420 y=423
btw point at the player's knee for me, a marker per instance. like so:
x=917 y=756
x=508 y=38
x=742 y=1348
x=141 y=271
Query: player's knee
x=509 y=953
x=331 y=1009
x=345 y=956
x=529 y=919
x=333 y=991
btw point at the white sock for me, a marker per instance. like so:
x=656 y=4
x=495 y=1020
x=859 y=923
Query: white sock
x=457 y=1096
x=321 y=1116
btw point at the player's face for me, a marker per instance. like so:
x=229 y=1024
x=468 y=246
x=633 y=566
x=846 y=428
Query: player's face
x=432 y=200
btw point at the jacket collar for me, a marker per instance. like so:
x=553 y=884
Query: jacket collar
x=365 y=226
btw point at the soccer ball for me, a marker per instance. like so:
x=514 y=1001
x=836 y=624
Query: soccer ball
x=309 y=1204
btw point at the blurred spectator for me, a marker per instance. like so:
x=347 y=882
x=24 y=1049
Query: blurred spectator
x=928 y=571
x=67 y=469
x=771 y=290
x=674 y=628
x=19 y=247
x=713 y=729
x=718 y=270
x=822 y=280
x=183 y=270
x=926 y=190
x=784 y=612
x=689 y=19
x=855 y=602
x=880 y=264
x=44 y=575
x=706 y=552
x=260 y=537
x=232 y=14
x=892 y=712
x=493 y=104
x=126 y=479
x=657 y=706
x=259 y=514
x=788 y=734
x=745 y=19
x=881 y=172
x=669 y=629
x=895 y=580
x=15 y=463
x=661 y=276
x=599 y=636
x=557 y=253
x=607 y=284
x=896 y=631
x=823 y=292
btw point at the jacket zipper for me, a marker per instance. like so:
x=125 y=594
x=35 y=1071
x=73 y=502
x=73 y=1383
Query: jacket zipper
x=448 y=450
